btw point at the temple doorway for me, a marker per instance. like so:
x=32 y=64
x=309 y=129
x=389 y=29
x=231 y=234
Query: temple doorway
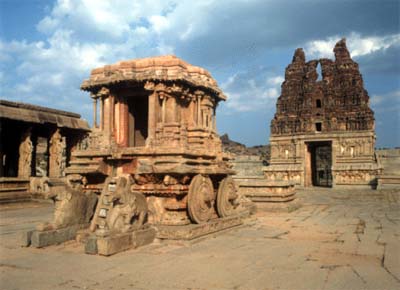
x=318 y=170
x=138 y=120
x=10 y=135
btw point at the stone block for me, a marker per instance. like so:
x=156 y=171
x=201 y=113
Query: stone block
x=111 y=245
x=143 y=237
x=25 y=238
x=91 y=245
x=40 y=239
x=107 y=246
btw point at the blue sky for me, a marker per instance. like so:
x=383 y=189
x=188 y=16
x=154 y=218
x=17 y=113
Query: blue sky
x=48 y=47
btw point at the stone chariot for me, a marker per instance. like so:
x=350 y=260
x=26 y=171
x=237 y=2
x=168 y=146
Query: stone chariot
x=154 y=157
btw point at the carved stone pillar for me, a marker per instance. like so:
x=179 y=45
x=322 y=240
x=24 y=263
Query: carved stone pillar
x=214 y=120
x=56 y=150
x=199 y=116
x=170 y=110
x=122 y=122
x=111 y=112
x=25 y=155
x=163 y=109
x=152 y=118
x=192 y=113
x=307 y=167
x=94 y=113
x=106 y=109
x=106 y=114
x=101 y=114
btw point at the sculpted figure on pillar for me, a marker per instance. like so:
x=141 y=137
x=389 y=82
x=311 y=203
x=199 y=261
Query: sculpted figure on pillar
x=25 y=154
x=56 y=154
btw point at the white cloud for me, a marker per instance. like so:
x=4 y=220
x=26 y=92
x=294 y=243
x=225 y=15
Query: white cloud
x=357 y=45
x=223 y=36
x=159 y=23
x=377 y=100
x=47 y=25
x=271 y=93
x=278 y=80
x=105 y=18
x=49 y=73
x=251 y=94
x=186 y=34
x=82 y=35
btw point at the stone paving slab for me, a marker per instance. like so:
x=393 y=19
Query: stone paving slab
x=337 y=240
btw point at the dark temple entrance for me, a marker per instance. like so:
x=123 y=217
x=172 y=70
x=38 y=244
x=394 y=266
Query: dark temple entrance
x=138 y=120
x=319 y=169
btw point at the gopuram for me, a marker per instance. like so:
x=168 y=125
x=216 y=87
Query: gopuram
x=153 y=160
x=323 y=130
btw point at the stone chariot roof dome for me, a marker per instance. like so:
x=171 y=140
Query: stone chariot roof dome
x=161 y=68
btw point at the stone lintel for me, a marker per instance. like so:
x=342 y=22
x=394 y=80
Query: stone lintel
x=323 y=136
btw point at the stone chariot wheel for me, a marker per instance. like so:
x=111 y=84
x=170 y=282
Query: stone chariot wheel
x=227 y=197
x=201 y=199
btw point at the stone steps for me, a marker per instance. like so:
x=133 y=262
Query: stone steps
x=83 y=161
x=390 y=161
x=13 y=189
x=14 y=195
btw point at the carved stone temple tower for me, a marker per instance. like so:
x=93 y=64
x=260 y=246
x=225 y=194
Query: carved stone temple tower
x=323 y=130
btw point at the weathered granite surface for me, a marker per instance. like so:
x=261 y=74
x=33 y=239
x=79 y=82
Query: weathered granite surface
x=338 y=239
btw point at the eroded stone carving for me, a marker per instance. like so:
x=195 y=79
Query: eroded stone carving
x=39 y=186
x=25 y=154
x=71 y=205
x=57 y=154
x=129 y=210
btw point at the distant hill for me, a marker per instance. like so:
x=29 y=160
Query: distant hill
x=237 y=148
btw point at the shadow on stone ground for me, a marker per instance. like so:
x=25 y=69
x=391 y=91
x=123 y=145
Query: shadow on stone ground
x=338 y=239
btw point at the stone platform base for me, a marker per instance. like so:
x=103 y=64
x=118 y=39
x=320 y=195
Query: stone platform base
x=354 y=186
x=388 y=182
x=278 y=206
x=194 y=231
x=259 y=189
x=273 y=196
x=40 y=239
x=14 y=189
x=110 y=245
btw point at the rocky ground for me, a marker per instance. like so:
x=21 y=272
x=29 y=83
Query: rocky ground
x=337 y=240
x=237 y=148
